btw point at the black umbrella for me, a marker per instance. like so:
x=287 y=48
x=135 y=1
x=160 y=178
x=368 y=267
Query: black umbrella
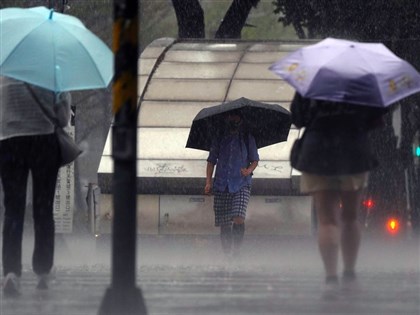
x=268 y=123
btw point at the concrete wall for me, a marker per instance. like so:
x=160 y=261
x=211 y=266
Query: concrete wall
x=183 y=214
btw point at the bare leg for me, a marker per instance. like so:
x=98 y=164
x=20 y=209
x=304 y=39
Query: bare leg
x=327 y=203
x=350 y=234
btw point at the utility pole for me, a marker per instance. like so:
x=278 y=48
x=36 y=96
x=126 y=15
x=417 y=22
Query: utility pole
x=123 y=297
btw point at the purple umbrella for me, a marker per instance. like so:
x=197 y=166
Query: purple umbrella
x=345 y=71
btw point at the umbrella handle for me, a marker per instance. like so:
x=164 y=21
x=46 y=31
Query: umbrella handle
x=58 y=78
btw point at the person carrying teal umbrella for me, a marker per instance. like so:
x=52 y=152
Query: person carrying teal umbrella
x=43 y=56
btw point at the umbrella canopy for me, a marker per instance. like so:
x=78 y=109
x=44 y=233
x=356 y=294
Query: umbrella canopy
x=268 y=123
x=346 y=71
x=52 y=50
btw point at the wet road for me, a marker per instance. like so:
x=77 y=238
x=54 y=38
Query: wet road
x=189 y=276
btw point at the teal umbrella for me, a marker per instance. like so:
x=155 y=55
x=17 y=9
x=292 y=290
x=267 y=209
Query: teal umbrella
x=52 y=50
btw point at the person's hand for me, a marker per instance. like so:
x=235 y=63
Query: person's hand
x=245 y=172
x=207 y=189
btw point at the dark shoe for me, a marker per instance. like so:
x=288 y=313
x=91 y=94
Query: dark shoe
x=44 y=280
x=349 y=275
x=11 y=285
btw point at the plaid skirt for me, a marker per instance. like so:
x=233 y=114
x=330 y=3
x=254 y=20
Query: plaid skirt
x=229 y=205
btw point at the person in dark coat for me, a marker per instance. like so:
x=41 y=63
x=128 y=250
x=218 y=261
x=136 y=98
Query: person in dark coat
x=236 y=156
x=28 y=144
x=335 y=159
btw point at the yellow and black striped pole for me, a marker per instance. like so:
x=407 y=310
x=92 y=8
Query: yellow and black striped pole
x=123 y=297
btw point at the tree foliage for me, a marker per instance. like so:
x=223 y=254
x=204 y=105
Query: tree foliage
x=358 y=19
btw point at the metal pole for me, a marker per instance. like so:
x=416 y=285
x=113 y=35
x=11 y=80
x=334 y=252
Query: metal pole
x=407 y=215
x=123 y=297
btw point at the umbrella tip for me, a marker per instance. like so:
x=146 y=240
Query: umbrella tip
x=51 y=14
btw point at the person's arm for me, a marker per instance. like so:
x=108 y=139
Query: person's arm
x=209 y=176
x=211 y=162
x=248 y=171
x=253 y=157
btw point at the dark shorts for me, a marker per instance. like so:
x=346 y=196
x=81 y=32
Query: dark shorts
x=229 y=205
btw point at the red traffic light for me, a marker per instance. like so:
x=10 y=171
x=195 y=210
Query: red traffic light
x=368 y=203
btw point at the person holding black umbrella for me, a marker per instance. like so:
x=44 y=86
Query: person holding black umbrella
x=233 y=132
x=236 y=156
